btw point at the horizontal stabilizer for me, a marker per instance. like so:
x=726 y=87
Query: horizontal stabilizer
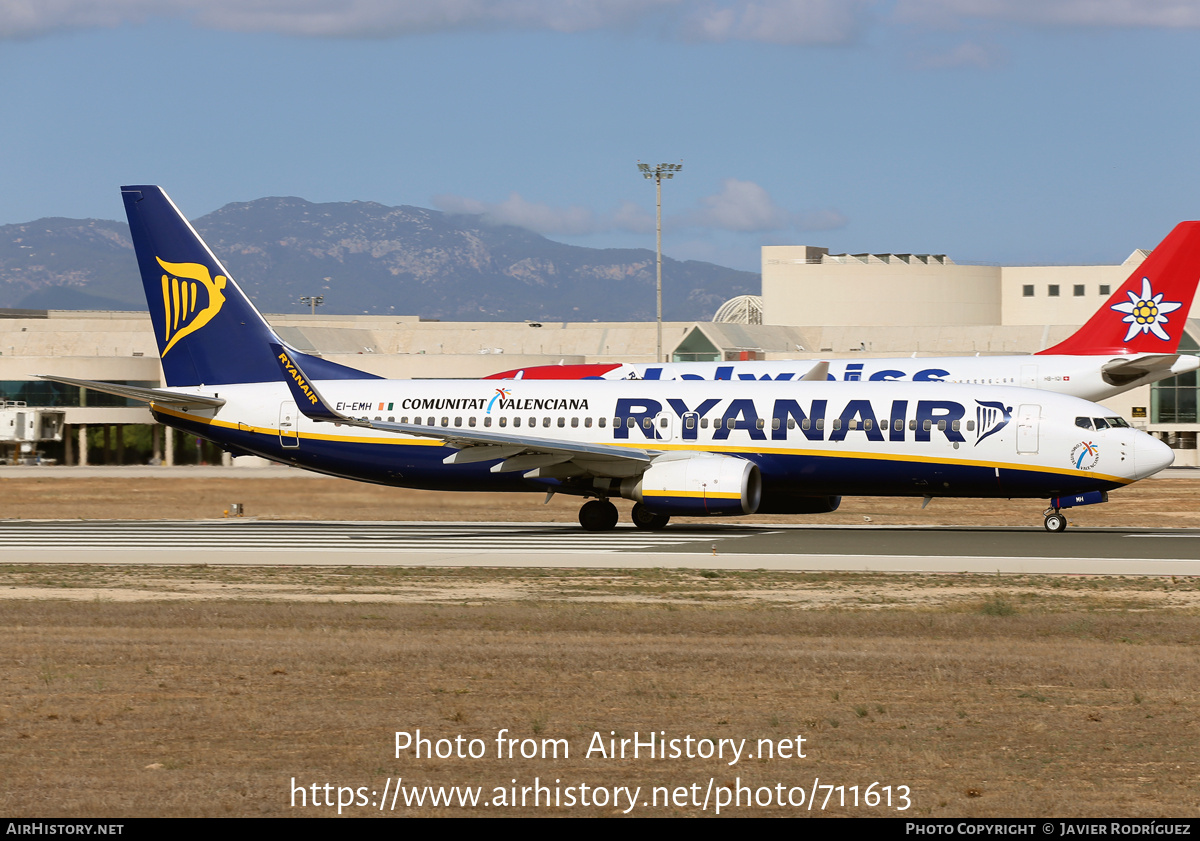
x=1122 y=372
x=145 y=395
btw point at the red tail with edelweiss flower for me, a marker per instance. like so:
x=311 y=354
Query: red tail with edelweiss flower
x=1147 y=312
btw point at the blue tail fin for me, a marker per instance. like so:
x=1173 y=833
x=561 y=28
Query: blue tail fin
x=208 y=332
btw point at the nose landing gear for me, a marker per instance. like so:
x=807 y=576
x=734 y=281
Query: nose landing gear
x=1055 y=521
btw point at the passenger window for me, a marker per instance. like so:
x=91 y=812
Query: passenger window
x=445 y=421
x=377 y=417
x=404 y=419
x=504 y=421
x=898 y=424
x=663 y=421
x=689 y=422
x=704 y=423
x=574 y=423
x=806 y=424
x=546 y=422
x=647 y=423
x=488 y=421
x=792 y=423
x=471 y=421
x=630 y=423
x=912 y=424
x=820 y=423
x=970 y=426
x=941 y=426
x=716 y=423
x=587 y=423
x=1083 y=423
x=867 y=424
x=774 y=423
x=837 y=423
x=391 y=419
x=955 y=425
x=431 y=422
x=760 y=423
x=516 y=421
x=458 y=421
x=601 y=422
x=927 y=425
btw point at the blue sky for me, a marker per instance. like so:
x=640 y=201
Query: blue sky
x=1011 y=131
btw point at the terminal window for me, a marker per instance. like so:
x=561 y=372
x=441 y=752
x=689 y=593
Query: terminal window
x=1027 y=290
x=1079 y=290
x=1052 y=291
x=1105 y=289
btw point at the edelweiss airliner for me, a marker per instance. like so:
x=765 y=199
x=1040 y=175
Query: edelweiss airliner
x=674 y=448
x=1132 y=340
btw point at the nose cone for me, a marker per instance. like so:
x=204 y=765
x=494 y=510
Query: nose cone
x=1150 y=456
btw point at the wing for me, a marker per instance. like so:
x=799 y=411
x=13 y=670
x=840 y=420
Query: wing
x=550 y=457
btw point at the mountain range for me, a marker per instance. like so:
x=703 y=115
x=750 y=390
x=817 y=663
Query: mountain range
x=364 y=257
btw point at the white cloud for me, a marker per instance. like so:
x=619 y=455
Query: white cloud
x=780 y=21
x=533 y=216
x=966 y=54
x=772 y=21
x=1165 y=14
x=740 y=207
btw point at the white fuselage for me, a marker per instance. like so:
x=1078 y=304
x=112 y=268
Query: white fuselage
x=1078 y=376
x=853 y=438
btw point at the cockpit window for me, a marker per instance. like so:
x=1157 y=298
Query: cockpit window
x=1101 y=423
x=1083 y=423
x=1119 y=423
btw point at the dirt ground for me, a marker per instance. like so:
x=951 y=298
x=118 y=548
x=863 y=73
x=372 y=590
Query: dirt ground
x=294 y=495
x=222 y=691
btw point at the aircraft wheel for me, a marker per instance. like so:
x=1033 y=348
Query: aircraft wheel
x=598 y=515
x=644 y=518
x=1056 y=522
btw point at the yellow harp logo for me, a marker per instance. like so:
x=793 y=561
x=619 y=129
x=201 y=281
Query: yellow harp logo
x=181 y=291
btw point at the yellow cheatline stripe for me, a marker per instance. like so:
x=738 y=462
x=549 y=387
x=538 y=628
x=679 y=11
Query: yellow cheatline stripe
x=852 y=454
x=308 y=436
x=910 y=459
x=693 y=494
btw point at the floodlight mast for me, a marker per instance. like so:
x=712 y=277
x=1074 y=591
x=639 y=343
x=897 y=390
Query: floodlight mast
x=658 y=174
x=313 y=301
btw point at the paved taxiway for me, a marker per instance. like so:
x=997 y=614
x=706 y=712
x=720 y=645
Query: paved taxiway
x=516 y=545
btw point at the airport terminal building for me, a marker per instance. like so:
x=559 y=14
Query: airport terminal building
x=814 y=305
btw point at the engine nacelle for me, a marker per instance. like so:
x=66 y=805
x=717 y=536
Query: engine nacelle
x=697 y=485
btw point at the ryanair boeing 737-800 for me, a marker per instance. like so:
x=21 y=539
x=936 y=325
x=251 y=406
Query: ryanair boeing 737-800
x=674 y=448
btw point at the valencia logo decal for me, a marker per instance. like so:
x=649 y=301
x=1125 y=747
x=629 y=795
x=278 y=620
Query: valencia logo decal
x=1146 y=314
x=183 y=287
x=1085 y=455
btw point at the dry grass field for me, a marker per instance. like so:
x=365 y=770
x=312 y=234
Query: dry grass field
x=205 y=691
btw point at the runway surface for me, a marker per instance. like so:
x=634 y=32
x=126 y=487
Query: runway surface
x=718 y=546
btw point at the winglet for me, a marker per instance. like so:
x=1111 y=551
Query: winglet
x=1147 y=312
x=308 y=399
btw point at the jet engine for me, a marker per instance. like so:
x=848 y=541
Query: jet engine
x=697 y=485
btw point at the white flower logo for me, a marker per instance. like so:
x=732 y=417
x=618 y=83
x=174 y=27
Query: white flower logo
x=1146 y=314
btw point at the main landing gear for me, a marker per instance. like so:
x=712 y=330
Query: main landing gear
x=644 y=518
x=598 y=515
x=601 y=515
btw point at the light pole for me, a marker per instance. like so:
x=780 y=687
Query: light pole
x=313 y=301
x=658 y=174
